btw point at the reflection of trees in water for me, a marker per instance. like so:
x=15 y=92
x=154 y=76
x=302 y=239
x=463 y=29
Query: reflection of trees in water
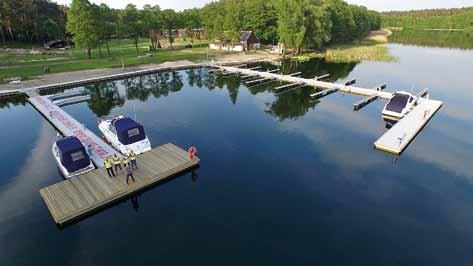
x=195 y=77
x=176 y=81
x=160 y=84
x=296 y=103
x=135 y=88
x=212 y=81
x=163 y=83
x=104 y=97
x=425 y=38
x=15 y=101
x=233 y=86
x=209 y=80
x=292 y=104
x=318 y=67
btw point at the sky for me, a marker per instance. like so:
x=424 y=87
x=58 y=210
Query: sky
x=379 y=5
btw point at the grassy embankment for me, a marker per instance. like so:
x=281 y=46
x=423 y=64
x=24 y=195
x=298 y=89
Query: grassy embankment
x=22 y=63
x=372 y=48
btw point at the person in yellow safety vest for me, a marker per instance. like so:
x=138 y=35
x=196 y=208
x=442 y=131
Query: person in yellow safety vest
x=108 y=165
x=126 y=161
x=117 y=162
x=133 y=159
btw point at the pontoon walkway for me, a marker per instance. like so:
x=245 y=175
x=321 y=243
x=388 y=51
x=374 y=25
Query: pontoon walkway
x=403 y=132
x=68 y=126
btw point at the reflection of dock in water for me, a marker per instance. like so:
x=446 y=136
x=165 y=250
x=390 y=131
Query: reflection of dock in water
x=83 y=195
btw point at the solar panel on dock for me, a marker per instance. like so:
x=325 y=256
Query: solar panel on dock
x=83 y=195
x=403 y=132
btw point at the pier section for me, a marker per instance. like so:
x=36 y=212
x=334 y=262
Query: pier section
x=83 y=195
x=97 y=148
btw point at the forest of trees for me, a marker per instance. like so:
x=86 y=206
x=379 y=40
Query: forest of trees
x=298 y=24
x=31 y=20
x=455 y=18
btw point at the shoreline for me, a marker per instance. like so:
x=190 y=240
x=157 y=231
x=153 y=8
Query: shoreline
x=371 y=48
x=73 y=76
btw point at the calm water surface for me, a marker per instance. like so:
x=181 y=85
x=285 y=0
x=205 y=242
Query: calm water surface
x=283 y=180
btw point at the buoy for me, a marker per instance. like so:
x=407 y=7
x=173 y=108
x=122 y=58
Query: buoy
x=192 y=152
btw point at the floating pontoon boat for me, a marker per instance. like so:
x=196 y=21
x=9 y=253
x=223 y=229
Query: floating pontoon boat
x=398 y=106
x=125 y=134
x=72 y=157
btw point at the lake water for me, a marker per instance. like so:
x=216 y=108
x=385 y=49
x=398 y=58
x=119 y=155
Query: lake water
x=283 y=180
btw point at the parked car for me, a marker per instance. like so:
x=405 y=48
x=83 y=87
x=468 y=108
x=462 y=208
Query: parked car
x=58 y=44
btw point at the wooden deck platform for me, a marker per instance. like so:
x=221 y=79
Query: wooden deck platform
x=403 y=132
x=80 y=196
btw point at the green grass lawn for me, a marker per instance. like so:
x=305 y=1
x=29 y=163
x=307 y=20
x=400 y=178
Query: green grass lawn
x=27 y=65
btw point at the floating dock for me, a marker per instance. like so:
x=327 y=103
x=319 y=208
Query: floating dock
x=68 y=126
x=83 y=195
x=309 y=82
x=403 y=132
x=395 y=140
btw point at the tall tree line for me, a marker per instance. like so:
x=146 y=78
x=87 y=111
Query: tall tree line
x=31 y=20
x=93 y=26
x=454 y=18
x=298 y=24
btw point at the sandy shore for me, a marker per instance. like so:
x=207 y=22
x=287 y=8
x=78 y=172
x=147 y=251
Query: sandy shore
x=93 y=73
x=380 y=36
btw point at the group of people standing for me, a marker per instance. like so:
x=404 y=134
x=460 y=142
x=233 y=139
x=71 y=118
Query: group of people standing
x=128 y=161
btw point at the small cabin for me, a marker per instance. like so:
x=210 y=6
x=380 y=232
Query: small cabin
x=248 y=41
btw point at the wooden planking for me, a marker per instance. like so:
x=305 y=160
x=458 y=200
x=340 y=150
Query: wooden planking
x=81 y=195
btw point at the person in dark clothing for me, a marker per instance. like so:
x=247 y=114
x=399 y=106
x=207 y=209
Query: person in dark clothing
x=129 y=173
